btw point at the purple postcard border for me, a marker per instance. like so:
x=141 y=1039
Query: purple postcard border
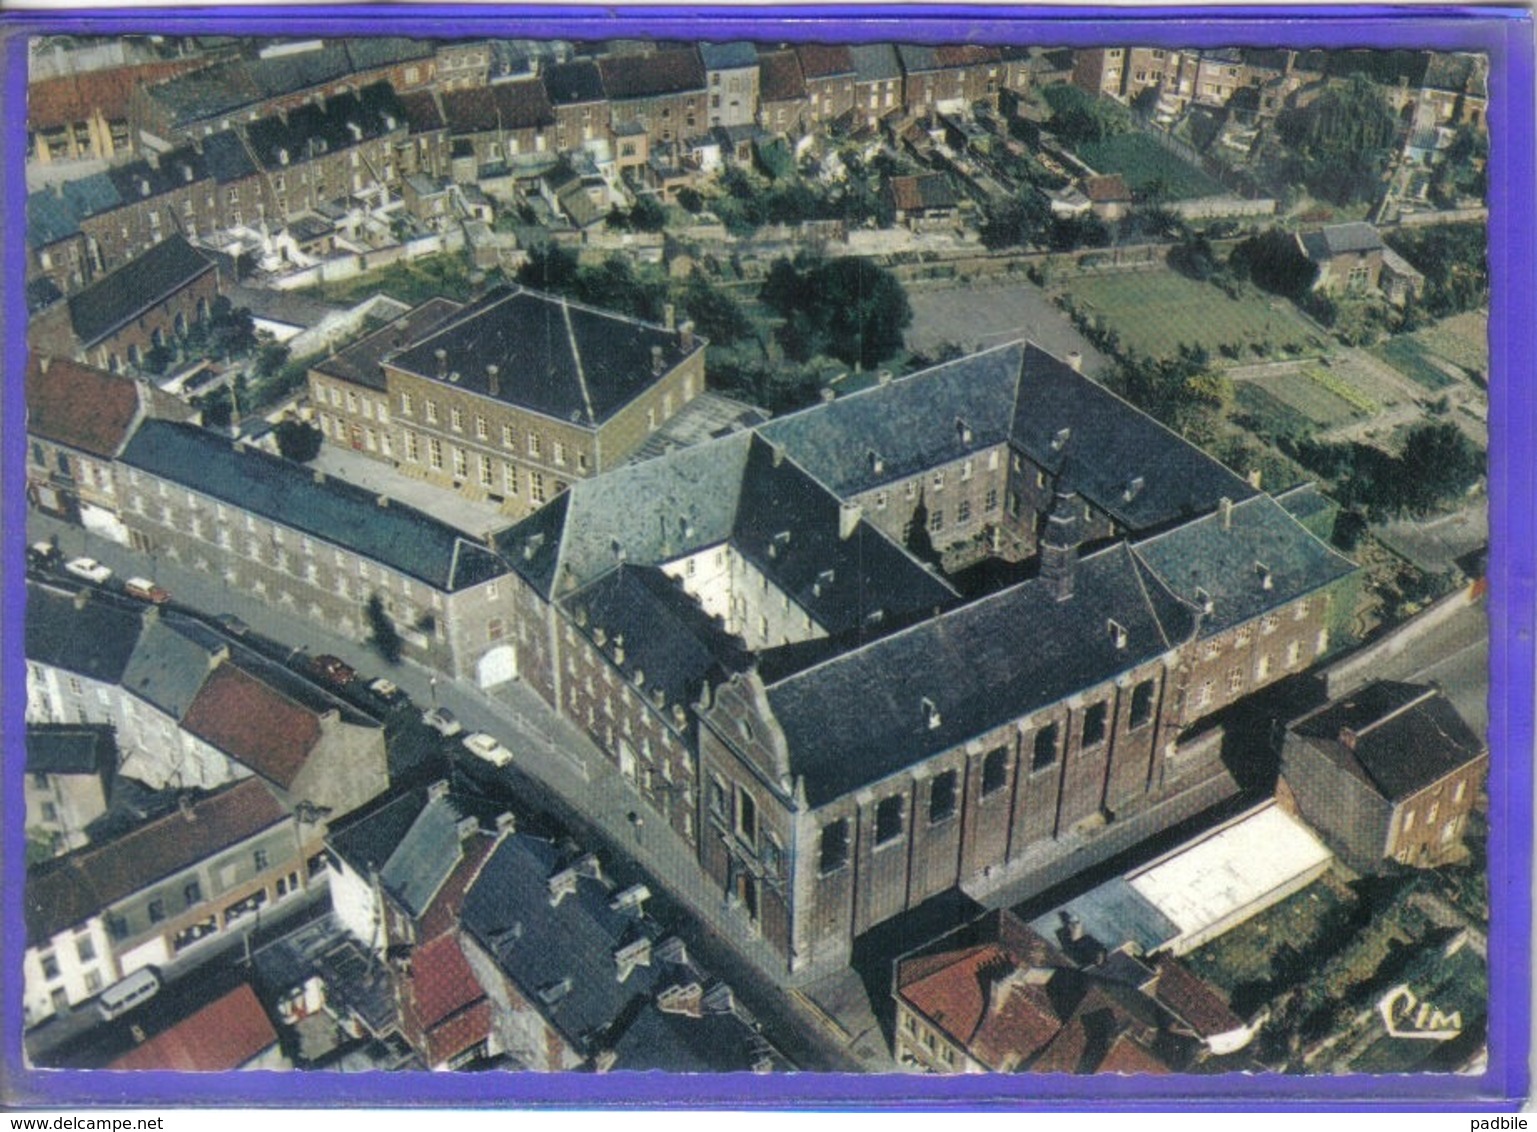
x=1505 y=33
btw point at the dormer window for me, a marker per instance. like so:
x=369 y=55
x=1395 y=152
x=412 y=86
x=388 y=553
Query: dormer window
x=1117 y=634
x=931 y=714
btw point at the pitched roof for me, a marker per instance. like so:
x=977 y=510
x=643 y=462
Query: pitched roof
x=79 y=406
x=49 y=218
x=925 y=190
x=779 y=77
x=1106 y=188
x=1398 y=738
x=94 y=640
x=428 y=853
x=669 y=640
x=987 y=1002
x=359 y=362
x=1257 y=560
x=966 y=54
x=824 y=60
x=167 y=668
x=728 y=56
x=71 y=748
x=312 y=129
x=444 y=1003
x=573 y=83
x=370 y=52
x=889 y=432
x=654 y=75
x=421 y=111
x=226 y=1034
x=74 y=97
x=874 y=62
x=333 y=511
x=520 y=105
x=967 y=662
x=918 y=57
x=1341 y=239
x=110 y=302
x=71 y=889
x=1192 y=1000
x=559 y=953
x=569 y=362
x=1112 y=445
x=254 y=724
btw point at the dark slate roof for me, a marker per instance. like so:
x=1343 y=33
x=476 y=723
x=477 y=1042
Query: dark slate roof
x=71 y=748
x=140 y=179
x=115 y=298
x=1233 y=564
x=644 y=513
x=1111 y=445
x=208 y=93
x=728 y=56
x=313 y=129
x=970 y=664
x=911 y=424
x=780 y=78
x=918 y=57
x=167 y=669
x=925 y=190
x=560 y=955
x=338 y=513
x=1310 y=507
x=92 y=195
x=650 y=76
x=368 y=52
x=874 y=62
x=718 y=1041
x=425 y=857
x=49 y=218
x=788 y=526
x=566 y=361
x=669 y=640
x=518 y=105
x=1341 y=239
x=359 y=362
x=70 y=889
x=1406 y=736
x=824 y=60
x=570 y=84
x=286 y=74
x=226 y=158
x=94 y=641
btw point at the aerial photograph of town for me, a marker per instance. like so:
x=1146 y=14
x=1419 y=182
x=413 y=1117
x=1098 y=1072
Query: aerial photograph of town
x=759 y=556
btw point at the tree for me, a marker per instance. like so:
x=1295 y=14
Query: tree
x=297 y=441
x=382 y=632
x=648 y=215
x=1015 y=222
x=690 y=199
x=863 y=307
x=271 y=357
x=549 y=268
x=1078 y=117
x=716 y=315
x=1344 y=138
x=1194 y=256
x=1274 y=262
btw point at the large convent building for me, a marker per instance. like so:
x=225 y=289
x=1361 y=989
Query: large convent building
x=756 y=630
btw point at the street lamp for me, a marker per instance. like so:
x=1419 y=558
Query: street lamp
x=432 y=685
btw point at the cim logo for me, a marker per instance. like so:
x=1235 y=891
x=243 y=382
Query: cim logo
x=1405 y=1016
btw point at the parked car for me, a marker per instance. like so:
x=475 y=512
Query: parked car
x=89 y=569
x=333 y=670
x=43 y=554
x=146 y=590
x=484 y=746
x=442 y=721
x=386 y=691
x=232 y=625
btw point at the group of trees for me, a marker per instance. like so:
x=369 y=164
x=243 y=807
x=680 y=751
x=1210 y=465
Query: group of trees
x=1436 y=465
x=1341 y=142
x=1454 y=260
x=847 y=308
x=1080 y=118
x=1183 y=391
x=612 y=285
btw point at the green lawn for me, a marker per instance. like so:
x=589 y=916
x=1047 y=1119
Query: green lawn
x=1142 y=162
x=1409 y=357
x=411 y=282
x=1462 y=340
x=1273 y=417
x=1154 y=312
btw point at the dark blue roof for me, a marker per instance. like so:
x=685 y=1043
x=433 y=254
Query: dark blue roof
x=167 y=669
x=71 y=748
x=974 y=666
x=226 y=158
x=94 y=640
x=568 y=84
x=335 y=512
x=566 y=361
x=890 y=432
x=875 y=62
x=110 y=302
x=1257 y=561
x=1112 y=445
x=560 y=954
x=49 y=219
x=728 y=56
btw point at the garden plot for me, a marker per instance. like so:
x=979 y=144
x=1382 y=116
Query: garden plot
x=1143 y=164
x=1411 y=358
x=1462 y=340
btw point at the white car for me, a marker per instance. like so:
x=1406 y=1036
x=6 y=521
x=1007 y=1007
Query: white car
x=88 y=569
x=442 y=721
x=483 y=746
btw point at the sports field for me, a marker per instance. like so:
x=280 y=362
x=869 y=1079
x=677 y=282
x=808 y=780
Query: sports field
x=1155 y=311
